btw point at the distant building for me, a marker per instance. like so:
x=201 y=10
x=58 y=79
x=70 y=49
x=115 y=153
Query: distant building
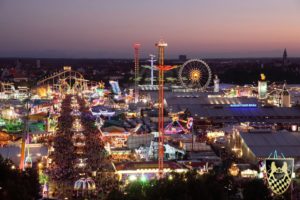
x=182 y=58
x=20 y=77
x=18 y=64
x=38 y=64
x=284 y=59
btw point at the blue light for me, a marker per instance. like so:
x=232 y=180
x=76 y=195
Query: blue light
x=250 y=105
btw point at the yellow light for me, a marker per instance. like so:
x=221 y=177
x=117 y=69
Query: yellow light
x=40 y=165
x=234 y=170
x=195 y=75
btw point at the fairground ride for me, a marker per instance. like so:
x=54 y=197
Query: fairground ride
x=161 y=45
x=65 y=82
x=195 y=74
x=176 y=126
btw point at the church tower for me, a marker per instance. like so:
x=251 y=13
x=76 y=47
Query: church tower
x=284 y=59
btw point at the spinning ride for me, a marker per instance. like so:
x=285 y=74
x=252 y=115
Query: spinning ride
x=176 y=127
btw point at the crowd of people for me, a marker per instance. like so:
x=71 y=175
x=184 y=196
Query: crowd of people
x=63 y=170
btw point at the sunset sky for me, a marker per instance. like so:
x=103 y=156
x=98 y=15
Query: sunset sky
x=108 y=28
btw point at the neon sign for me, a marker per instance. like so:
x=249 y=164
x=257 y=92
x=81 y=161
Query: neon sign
x=249 y=105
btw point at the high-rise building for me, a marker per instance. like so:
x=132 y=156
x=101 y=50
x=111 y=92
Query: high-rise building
x=18 y=64
x=38 y=64
x=182 y=58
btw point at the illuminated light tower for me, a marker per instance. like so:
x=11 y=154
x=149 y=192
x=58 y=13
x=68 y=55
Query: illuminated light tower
x=152 y=67
x=25 y=137
x=161 y=68
x=285 y=97
x=136 y=47
x=216 y=84
x=262 y=87
x=22 y=159
x=25 y=162
x=28 y=159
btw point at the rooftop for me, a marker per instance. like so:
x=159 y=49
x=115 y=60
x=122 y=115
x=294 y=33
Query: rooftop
x=240 y=113
x=263 y=144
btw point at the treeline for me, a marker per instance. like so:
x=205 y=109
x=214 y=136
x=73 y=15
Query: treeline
x=193 y=186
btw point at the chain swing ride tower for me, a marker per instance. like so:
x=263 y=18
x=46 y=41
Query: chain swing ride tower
x=152 y=60
x=161 y=45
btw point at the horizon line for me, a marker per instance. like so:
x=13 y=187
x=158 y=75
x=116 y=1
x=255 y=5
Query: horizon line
x=123 y=58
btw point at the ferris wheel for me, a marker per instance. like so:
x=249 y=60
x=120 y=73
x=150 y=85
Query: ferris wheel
x=195 y=74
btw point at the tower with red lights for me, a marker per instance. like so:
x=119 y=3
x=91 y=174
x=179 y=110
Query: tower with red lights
x=136 y=47
x=161 y=45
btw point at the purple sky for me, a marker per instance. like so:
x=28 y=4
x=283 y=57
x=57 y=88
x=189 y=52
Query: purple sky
x=108 y=28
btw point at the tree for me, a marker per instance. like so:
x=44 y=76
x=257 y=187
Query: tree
x=176 y=187
x=17 y=184
x=256 y=190
x=116 y=195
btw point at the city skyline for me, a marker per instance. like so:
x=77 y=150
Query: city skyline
x=94 y=29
